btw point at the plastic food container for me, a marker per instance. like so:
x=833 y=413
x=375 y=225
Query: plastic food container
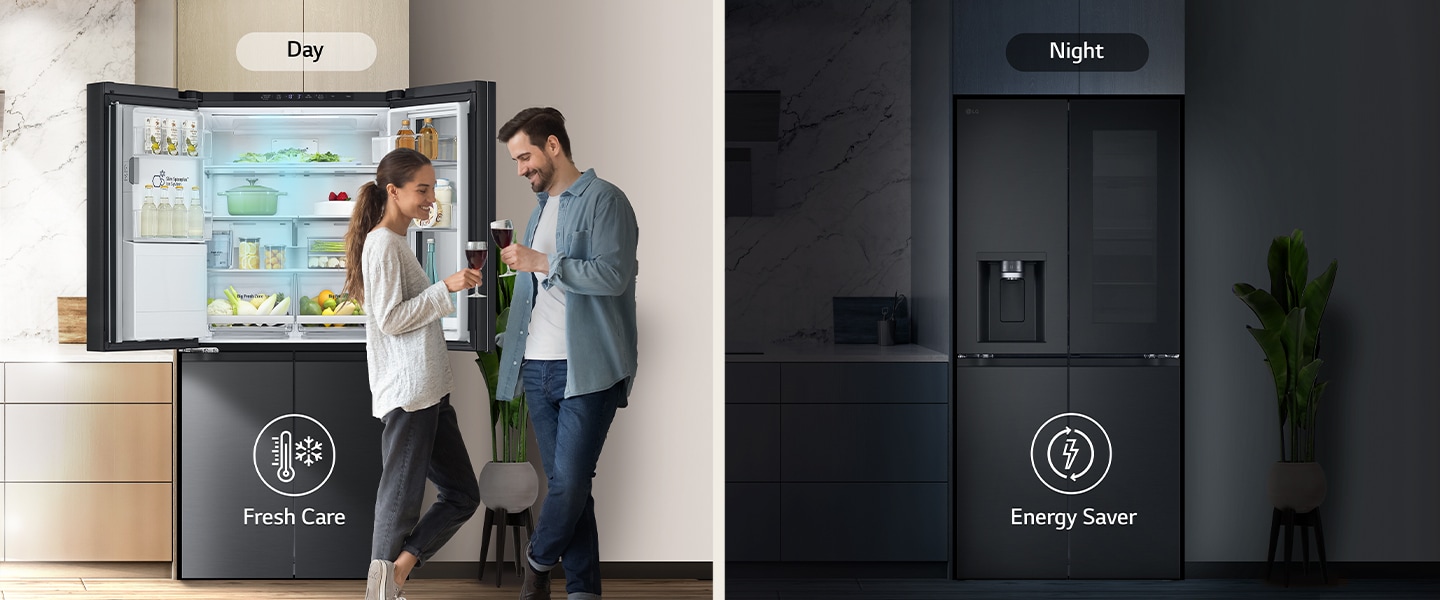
x=251 y=199
x=274 y=257
x=247 y=254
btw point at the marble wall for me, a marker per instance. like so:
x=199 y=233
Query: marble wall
x=841 y=224
x=49 y=51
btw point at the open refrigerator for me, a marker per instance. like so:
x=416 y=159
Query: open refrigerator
x=262 y=169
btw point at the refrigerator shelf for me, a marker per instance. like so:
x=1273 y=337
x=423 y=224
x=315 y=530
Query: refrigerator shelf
x=293 y=168
x=331 y=319
x=279 y=218
x=251 y=320
x=274 y=271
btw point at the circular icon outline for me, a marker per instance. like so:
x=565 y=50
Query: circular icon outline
x=1109 y=458
x=256 y=448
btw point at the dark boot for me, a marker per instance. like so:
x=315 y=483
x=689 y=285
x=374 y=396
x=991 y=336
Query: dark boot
x=536 y=585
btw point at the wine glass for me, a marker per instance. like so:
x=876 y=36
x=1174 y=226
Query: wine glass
x=475 y=251
x=504 y=233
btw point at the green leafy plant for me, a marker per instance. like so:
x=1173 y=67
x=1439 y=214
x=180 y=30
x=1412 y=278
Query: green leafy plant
x=1290 y=316
x=507 y=419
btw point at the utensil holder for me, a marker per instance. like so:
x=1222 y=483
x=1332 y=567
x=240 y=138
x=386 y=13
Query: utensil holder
x=885 y=332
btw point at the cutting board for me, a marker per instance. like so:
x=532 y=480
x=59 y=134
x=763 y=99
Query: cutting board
x=855 y=317
x=72 y=319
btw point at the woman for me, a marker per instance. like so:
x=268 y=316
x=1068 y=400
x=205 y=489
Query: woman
x=409 y=373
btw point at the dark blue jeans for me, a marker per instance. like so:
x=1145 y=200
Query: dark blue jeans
x=416 y=446
x=570 y=433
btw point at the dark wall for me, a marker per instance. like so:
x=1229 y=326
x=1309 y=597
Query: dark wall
x=931 y=165
x=1321 y=116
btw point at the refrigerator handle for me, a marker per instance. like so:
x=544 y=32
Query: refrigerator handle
x=1174 y=356
x=204 y=349
x=965 y=356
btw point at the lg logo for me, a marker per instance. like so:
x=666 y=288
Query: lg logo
x=1071 y=453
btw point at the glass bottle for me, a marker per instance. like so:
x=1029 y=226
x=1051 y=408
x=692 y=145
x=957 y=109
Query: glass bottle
x=147 y=213
x=429 y=140
x=162 y=214
x=430 y=270
x=179 y=217
x=405 y=138
x=195 y=225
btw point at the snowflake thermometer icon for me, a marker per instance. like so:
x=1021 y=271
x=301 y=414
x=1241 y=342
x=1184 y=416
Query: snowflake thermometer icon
x=292 y=468
x=1076 y=450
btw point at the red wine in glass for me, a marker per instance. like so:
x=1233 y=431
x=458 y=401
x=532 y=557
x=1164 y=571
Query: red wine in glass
x=475 y=253
x=504 y=233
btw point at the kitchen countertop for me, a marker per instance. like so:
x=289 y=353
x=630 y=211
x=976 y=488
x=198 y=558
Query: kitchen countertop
x=834 y=353
x=27 y=351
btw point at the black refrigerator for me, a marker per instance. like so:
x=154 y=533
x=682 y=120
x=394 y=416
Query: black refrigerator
x=216 y=223
x=1068 y=402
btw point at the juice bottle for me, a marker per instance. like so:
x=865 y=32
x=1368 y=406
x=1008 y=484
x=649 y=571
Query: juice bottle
x=405 y=138
x=147 y=213
x=162 y=214
x=172 y=137
x=192 y=138
x=178 y=215
x=429 y=140
x=195 y=225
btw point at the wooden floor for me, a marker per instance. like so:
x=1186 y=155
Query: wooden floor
x=931 y=589
x=420 y=589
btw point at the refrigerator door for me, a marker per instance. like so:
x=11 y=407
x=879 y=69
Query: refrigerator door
x=1010 y=204
x=1125 y=226
x=463 y=114
x=146 y=288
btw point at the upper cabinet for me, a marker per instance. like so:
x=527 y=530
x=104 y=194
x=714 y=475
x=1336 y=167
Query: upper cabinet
x=1068 y=47
x=283 y=45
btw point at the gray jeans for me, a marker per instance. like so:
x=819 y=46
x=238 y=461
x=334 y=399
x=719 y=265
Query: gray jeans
x=416 y=446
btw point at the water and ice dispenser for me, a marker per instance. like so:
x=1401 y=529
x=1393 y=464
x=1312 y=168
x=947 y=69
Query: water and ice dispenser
x=1012 y=290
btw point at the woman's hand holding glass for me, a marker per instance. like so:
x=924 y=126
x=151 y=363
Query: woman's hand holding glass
x=465 y=278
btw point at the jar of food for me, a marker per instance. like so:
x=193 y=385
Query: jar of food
x=219 y=250
x=444 y=202
x=247 y=253
x=274 y=257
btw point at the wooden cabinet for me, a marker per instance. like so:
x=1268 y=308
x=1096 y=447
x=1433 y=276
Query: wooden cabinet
x=87 y=450
x=209 y=32
x=818 y=453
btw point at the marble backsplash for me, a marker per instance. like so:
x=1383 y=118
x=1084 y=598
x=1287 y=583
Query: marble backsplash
x=841 y=224
x=49 y=51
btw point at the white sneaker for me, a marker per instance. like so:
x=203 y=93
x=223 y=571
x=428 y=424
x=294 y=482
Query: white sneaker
x=380 y=585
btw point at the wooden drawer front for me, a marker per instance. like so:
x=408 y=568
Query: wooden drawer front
x=752 y=383
x=863 y=442
x=863 y=382
x=87 y=382
x=88 y=442
x=862 y=522
x=87 y=521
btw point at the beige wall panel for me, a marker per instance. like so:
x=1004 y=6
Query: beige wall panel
x=88 y=382
x=385 y=21
x=88 y=442
x=87 y=521
x=207 y=32
x=155 y=42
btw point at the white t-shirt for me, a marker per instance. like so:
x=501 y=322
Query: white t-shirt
x=547 y=320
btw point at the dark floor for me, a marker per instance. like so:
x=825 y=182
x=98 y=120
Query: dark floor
x=931 y=589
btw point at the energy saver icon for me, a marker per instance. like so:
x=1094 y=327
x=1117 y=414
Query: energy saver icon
x=1071 y=453
x=294 y=455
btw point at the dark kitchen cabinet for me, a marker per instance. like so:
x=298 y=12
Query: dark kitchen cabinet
x=997 y=411
x=814 y=449
x=245 y=515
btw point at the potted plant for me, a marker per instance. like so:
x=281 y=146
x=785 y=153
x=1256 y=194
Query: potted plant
x=508 y=482
x=1290 y=315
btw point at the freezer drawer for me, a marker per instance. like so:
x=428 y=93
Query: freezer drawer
x=997 y=411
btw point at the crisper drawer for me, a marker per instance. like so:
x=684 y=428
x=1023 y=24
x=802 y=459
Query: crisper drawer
x=88 y=442
x=88 y=383
x=88 y=522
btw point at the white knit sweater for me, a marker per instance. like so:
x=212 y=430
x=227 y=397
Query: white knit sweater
x=404 y=345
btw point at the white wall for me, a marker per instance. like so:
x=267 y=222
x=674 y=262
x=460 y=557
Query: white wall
x=634 y=80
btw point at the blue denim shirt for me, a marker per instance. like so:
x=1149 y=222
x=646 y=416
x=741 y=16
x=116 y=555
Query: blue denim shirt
x=594 y=263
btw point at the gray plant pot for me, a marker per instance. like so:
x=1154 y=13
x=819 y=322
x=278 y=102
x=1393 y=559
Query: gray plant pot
x=1299 y=486
x=509 y=486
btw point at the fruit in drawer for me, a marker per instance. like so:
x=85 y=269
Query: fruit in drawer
x=324 y=295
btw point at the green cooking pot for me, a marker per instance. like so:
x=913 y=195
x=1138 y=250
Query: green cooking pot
x=251 y=199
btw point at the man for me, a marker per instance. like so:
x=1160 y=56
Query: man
x=570 y=339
